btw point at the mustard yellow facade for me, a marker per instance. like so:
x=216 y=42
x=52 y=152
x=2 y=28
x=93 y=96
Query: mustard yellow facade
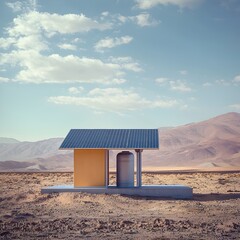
x=89 y=167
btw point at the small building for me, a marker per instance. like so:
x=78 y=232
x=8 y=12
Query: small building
x=91 y=151
x=91 y=163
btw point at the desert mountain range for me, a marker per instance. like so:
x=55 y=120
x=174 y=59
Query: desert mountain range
x=211 y=143
x=214 y=142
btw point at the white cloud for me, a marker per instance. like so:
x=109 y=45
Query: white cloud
x=34 y=41
x=184 y=107
x=67 y=46
x=207 y=84
x=126 y=63
x=105 y=14
x=15 y=6
x=236 y=79
x=23 y=6
x=175 y=85
x=54 y=68
x=50 y=24
x=122 y=18
x=183 y=72
x=31 y=30
x=75 y=90
x=234 y=82
x=33 y=4
x=132 y=66
x=147 y=4
x=223 y=82
x=162 y=80
x=121 y=59
x=144 y=20
x=7 y=42
x=111 y=42
x=4 y=79
x=236 y=106
x=179 y=85
x=115 y=100
x=77 y=40
x=30 y=35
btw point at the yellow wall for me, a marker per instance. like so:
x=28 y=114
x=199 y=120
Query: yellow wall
x=89 y=167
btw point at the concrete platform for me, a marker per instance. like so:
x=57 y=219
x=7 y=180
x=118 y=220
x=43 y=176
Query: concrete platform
x=165 y=191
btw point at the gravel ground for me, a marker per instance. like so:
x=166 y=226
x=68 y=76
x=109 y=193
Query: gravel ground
x=25 y=213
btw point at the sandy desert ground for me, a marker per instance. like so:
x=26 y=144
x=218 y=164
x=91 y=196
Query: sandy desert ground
x=25 y=213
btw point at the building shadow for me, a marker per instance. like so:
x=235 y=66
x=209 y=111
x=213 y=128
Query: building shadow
x=215 y=197
x=208 y=197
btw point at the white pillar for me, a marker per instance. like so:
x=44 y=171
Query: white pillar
x=139 y=167
x=106 y=167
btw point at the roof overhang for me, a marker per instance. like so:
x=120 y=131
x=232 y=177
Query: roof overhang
x=118 y=139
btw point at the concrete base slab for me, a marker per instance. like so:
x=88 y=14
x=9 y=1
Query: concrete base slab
x=165 y=191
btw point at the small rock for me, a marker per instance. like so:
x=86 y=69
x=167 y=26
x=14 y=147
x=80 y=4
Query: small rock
x=42 y=235
x=4 y=233
x=127 y=222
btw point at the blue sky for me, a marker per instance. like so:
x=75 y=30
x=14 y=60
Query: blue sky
x=116 y=64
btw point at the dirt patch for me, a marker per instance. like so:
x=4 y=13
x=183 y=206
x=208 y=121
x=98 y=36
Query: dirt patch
x=213 y=213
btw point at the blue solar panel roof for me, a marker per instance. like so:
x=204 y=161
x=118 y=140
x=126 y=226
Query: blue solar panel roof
x=111 y=139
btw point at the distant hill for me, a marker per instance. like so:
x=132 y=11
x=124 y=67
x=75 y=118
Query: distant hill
x=35 y=156
x=211 y=143
x=8 y=140
x=21 y=151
